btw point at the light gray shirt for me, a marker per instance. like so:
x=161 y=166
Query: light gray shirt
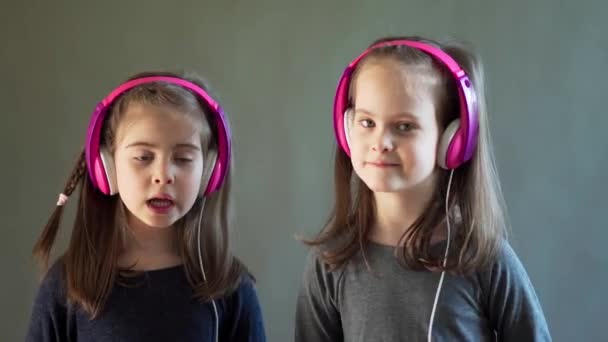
x=393 y=303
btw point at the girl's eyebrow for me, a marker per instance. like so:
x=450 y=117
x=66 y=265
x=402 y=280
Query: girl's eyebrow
x=151 y=145
x=399 y=114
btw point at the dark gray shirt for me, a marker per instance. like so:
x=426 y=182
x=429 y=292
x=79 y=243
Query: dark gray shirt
x=393 y=303
x=156 y=306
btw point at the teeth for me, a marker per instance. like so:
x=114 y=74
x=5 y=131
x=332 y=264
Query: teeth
x=160 y=202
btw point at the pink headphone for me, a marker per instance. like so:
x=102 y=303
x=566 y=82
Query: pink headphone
x=99 y=161
x=458 y=142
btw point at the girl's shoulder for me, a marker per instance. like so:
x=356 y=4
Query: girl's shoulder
x=52 y=286
x=244 y=294
x=505 y=259
x=505 y=271
x=242 y=312
x=318 y=271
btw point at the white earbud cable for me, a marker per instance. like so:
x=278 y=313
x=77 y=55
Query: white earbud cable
x=445 y=258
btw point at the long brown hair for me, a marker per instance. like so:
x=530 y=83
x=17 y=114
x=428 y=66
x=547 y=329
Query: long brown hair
x=476 y=200
x=90 y=264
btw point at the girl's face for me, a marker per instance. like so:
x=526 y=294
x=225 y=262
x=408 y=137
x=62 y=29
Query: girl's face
x=393 y=128
x=159 y=164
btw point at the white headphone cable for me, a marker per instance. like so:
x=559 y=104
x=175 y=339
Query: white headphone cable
x=445 y=257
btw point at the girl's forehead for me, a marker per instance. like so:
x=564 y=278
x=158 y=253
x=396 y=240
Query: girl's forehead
x=158 y=123
x=392 y=72
x=390 y=87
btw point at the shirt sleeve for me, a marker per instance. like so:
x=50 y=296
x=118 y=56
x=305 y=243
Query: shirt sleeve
x=49 y=316
x=317 y=314
x=244 y=315
x=513 y=306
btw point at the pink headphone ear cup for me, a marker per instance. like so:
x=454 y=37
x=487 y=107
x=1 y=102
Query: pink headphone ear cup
x=110 y=170
x=443 y=148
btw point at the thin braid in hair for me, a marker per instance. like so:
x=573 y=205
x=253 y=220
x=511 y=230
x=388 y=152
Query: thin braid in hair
x=45 y=242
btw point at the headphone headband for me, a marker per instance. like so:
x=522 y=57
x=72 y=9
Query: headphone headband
x=98 y=173
x=462 y=145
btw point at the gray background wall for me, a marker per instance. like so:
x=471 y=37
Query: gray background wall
x=274 y=65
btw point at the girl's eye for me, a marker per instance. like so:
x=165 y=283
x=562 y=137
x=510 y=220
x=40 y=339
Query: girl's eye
x=183 y=160
x=367 y=123
x=143 y=158
x=405 y=127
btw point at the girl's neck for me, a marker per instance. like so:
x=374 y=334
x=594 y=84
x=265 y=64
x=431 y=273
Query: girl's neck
x=396 y=212
x=149 y=248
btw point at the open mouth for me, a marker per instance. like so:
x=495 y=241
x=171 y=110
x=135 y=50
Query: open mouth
x=160 y=204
